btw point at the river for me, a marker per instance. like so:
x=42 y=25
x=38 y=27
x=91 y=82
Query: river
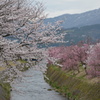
x=33 y=87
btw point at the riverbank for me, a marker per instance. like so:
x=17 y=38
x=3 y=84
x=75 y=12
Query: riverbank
x=73 y=87
x=5 y=88
x=4 y=91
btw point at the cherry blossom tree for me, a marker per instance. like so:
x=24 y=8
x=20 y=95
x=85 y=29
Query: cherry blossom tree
x=24 y=22
x=81 y=54
x=93 y=60
x=70 y=57
x=56 y=55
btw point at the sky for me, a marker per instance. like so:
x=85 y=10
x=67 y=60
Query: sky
x=58 y=7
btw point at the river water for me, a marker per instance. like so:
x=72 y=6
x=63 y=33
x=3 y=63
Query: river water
x=33 y=87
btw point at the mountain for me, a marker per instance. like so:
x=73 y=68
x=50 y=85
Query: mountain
x=78 y=20
x=90 y=33
x=77 y=34
x=79 y=27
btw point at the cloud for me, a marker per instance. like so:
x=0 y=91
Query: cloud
x=69 y=0
x=58 y=7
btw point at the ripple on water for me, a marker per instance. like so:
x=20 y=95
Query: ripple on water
x=33 y=87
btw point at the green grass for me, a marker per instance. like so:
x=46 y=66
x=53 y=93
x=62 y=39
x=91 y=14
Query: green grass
x=2 y=68
x=5 y=90
x=22 y=61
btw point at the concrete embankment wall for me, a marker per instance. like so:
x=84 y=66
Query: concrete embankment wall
x=4 y=91
x=70 y=86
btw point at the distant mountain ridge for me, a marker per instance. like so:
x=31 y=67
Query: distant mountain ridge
x=78 y=20
x=75 y=35
x=79 y=27
x=90 y=33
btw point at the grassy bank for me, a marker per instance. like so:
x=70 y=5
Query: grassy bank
x=4 y=91
x=5 y=87
x=74 y=87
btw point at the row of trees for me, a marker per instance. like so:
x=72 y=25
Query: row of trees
x=22 y=30
x=73 y=57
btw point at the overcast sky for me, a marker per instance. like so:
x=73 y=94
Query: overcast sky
x=59 y=7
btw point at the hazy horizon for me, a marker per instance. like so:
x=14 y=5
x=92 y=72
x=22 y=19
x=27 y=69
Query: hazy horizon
x=72 y=13
x=59 y=7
